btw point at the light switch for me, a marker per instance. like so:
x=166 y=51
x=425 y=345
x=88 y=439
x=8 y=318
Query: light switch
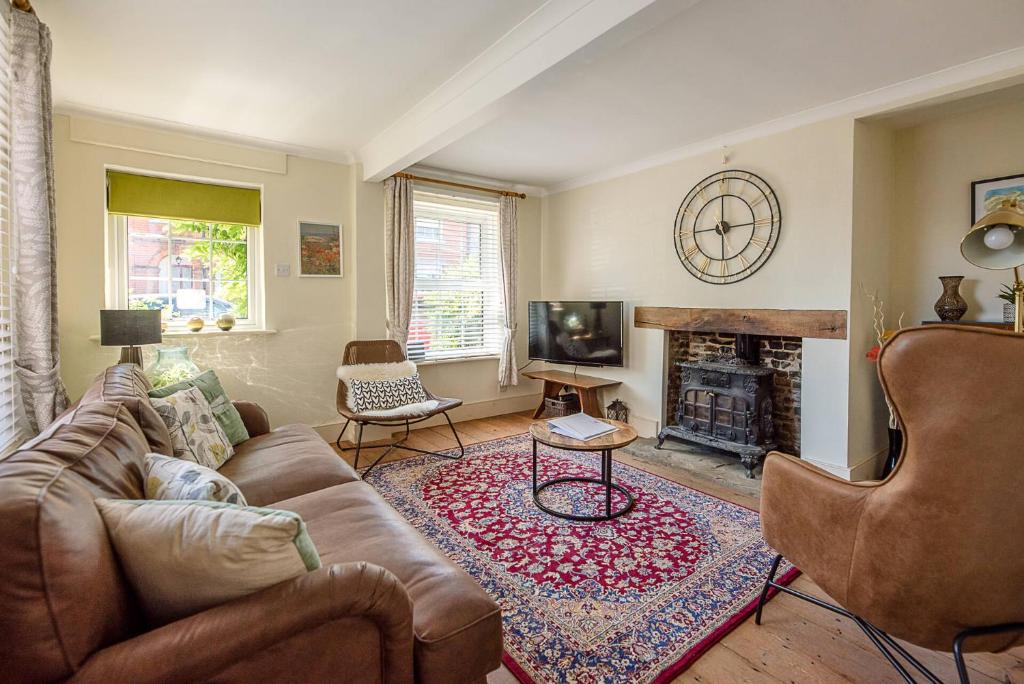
x=283 y=270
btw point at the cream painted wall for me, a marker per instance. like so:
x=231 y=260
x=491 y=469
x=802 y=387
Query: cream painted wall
x=290 y=372
x=614 y=240
x=935 y=164
x=874 y=224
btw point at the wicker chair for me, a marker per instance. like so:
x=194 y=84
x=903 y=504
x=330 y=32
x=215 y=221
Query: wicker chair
x=388 y=351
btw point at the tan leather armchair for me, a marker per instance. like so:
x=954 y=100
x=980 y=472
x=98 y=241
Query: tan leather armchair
x=932 y=554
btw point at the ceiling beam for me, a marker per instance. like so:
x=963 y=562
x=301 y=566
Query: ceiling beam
x=472 y=96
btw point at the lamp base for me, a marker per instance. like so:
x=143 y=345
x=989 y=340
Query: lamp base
x=131 y=354
x=1018 y=292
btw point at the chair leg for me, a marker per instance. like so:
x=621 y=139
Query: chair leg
x=767 y=585
x=958 y=644
x=882 y=641
x=359 y=445
x=462 y=449
x=342 y=434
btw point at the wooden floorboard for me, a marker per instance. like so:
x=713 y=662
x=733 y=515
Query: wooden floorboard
x=796 y=643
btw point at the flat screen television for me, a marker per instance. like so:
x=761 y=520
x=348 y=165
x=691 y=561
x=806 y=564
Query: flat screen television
x=580 y=333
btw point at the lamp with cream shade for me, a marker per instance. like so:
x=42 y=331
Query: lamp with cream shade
x=996 y=242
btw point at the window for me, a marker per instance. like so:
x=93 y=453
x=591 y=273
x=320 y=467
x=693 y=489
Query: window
x=188 y=268
x=456 y=309
x=10 y=426
x=184 y=267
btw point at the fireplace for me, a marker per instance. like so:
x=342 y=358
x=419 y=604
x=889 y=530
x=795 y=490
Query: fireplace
x=733 y=376
x=725 y=401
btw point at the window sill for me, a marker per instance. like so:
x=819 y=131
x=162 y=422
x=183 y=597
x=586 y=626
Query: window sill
x=181 y=334
x=216 y=332
x=457 y=359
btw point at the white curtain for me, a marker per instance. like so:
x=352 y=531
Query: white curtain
x=400 y=259
x=508 y=209
x=34 y=227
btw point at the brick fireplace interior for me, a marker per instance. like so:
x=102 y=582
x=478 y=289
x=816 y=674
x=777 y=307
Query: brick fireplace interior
x=781 y=354
x=733 y=377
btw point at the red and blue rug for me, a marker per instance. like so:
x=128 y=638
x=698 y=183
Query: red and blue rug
x=635 y=599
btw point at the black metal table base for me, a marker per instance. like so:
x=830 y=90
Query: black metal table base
x=605 y=479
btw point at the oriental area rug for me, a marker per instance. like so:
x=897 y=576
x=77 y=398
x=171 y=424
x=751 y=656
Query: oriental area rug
x=634 y=599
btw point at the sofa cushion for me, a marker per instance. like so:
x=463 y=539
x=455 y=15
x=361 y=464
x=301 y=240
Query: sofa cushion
x=290 y=461
x=457 y=625
x=63 y=595
x=195 y=434
x=175 y=479
x=183 y=557
x=223 y=410
x=127 y=384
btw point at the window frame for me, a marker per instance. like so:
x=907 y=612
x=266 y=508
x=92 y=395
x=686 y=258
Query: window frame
x=117 y=276
x=462 y=202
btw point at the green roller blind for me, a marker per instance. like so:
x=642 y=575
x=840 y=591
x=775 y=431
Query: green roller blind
x=129 y=193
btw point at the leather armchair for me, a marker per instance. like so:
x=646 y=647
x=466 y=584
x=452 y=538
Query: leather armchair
x=288 y=632
x=932 y=553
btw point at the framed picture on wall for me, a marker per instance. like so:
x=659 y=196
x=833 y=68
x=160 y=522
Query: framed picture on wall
x=320 y=250
x=988 y=194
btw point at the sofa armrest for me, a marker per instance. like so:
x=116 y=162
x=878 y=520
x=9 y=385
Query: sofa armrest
x=202 y=645
x=811 y=517
x=254 y=417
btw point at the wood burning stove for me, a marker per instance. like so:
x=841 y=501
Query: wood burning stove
x=725 y=402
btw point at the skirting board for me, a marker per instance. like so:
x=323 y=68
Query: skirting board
x=867 y=469
x=478 y=409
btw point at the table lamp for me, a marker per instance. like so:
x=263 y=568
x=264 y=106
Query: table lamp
x=128 y=330
x=996 y=242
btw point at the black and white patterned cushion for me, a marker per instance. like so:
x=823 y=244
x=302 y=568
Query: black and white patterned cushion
x=381 y=395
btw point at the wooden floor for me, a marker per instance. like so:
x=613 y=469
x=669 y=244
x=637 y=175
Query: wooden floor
x=796 y=642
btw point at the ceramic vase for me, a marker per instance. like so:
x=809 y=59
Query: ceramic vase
x=951 y=306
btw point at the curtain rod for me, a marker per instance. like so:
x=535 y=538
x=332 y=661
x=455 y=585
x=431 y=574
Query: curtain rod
x=465 y=186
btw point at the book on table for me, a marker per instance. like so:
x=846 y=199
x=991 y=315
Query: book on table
x=580 y=426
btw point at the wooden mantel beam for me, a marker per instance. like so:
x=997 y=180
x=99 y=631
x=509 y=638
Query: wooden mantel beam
x=828 y=324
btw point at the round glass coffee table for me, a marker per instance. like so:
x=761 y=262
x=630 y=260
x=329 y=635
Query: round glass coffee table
x=605 y=444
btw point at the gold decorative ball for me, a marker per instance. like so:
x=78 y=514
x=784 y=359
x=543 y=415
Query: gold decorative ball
x=195 y=324
x=226 y=322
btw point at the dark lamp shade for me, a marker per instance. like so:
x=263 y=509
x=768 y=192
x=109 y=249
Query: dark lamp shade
x=119 y=328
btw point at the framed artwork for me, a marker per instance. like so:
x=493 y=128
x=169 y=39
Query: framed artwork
x=320 y=250
x=988 y=194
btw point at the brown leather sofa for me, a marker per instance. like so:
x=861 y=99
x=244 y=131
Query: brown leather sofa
x=932 y=553
x=385 y=606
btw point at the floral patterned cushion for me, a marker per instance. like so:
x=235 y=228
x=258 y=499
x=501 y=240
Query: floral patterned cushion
x=178 y=479
x=195 y=434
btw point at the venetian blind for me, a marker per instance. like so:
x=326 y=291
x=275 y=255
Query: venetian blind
x=10 y=427
x=456 y=309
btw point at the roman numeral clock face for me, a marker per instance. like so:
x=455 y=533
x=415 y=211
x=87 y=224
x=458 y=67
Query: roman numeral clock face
x=727 y=227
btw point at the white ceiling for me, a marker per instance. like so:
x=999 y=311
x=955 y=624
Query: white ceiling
x=321 y=74
x=336 y=77
x=717 y=67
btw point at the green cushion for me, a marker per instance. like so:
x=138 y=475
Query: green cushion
x=224 y=411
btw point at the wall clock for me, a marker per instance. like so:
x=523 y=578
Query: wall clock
x=727 y=227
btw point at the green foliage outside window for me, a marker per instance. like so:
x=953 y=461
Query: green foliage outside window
x=229 y=261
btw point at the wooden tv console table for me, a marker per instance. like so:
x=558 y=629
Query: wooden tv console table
x=586 y=386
